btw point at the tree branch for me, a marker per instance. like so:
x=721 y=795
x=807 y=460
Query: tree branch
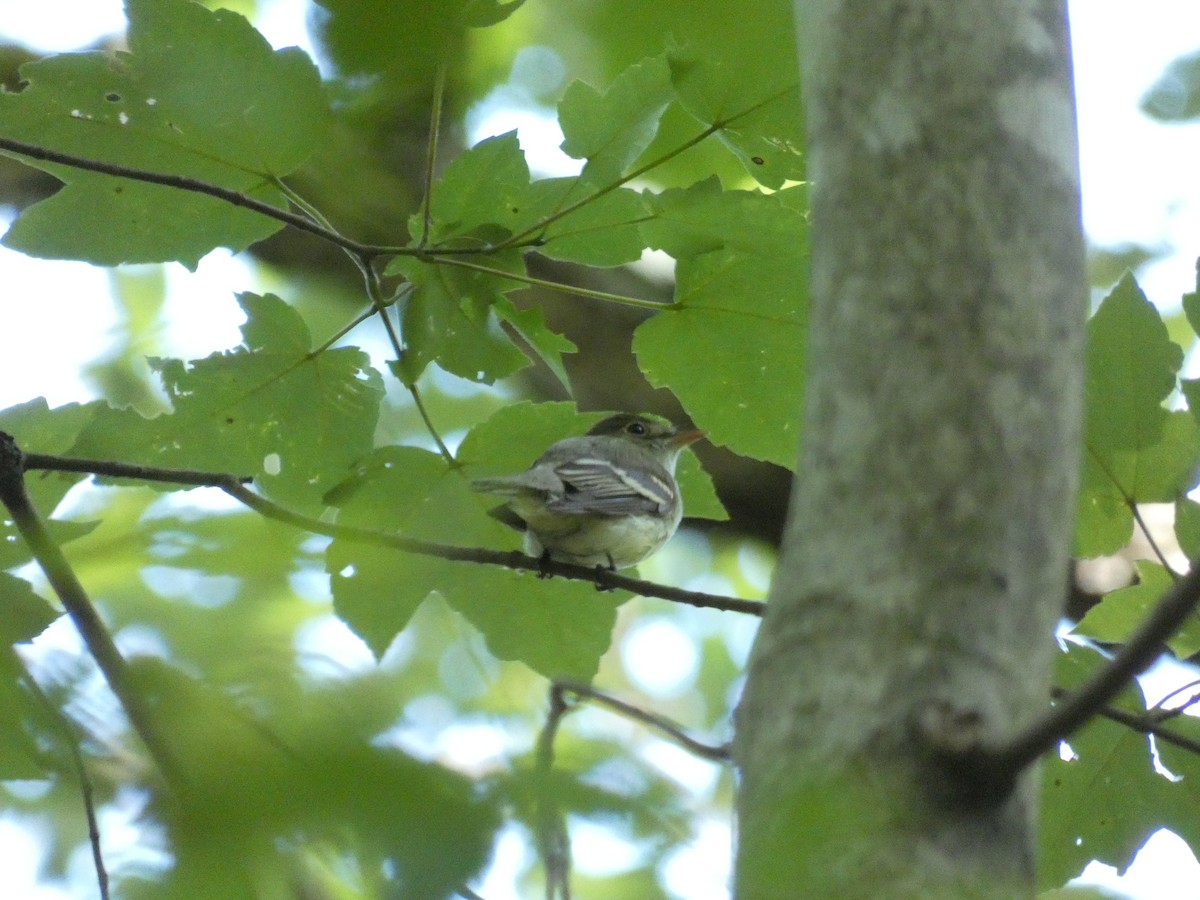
x=233 y=485
x=1003 y=762
x=184 y=183
x=713 y=753
x=553 y=842
x=59 y=717
x=1147 y=723
x=75 y=601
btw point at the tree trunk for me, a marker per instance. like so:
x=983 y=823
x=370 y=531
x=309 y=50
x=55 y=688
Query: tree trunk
x=924 y=562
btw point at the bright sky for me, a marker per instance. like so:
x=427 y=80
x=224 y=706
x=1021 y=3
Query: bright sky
x=1138 y=187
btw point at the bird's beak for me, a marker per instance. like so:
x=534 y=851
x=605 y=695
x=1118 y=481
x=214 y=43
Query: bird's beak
x=687 y=437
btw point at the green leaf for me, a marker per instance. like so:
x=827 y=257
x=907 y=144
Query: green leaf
x=558 y=628
x=486 y=184
x=1132 y=366
x=450 y=318
x=757 y=110
x=1137 y=451
x=485 y=13
x=264 y=409
x=252 y=779
x=402 y=40
x=1107 y=801
x=531 y=326
x=1156 y=473
x=199 y=94
x=39 y=429
x=740 y=312
x=513 y=437
x=611 y=130
x=26 y=615
x=1118 y=615
x=604 y=231
x=1187 y=526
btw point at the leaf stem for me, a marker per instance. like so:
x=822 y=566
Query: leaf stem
x=435 y=127
x=1162 y=557
x=554 y=285
x=712 y=752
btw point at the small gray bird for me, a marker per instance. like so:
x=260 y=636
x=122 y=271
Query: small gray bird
x=608 y=498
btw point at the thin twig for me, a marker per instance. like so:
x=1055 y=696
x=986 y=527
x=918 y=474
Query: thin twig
x=75 y=601
x=553 y=841
x=1163 y=713
x=712 y=129
x=423 y=412
x=190 y=477
x=431 y=150
x=85 y=782
x=711 y=752
x=195 y=186
x=1162 y=557
x=541 y=226
x=232 y=485
x=1148 y=723
x=550 y=824
x=1144 y=646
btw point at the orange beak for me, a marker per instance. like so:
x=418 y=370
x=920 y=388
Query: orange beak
x=687 y=437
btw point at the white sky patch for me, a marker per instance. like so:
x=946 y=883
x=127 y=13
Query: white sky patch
x=508 y=108
x=597 y=851
x=659 y=657
x=1164 y=869
x=693 y=774
x=54 y=316
x=55 y=26
x=701 y=870
x=1136 y=172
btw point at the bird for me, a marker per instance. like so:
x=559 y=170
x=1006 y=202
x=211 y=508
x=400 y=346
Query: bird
x=607 y=498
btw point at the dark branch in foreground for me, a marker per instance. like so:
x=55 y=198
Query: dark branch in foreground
x=234 y=487
x=75 y=601
x=998 y=766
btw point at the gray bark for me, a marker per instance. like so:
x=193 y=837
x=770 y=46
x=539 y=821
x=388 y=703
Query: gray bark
x=924 y=562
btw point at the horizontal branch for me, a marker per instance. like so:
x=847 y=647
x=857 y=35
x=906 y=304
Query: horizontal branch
x=232 y=485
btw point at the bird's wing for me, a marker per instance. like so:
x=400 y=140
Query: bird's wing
x=599 y=486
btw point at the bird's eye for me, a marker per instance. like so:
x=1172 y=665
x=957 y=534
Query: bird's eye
x=636 y=428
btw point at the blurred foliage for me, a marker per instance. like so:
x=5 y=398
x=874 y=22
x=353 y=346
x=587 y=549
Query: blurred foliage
x=1175 y=96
